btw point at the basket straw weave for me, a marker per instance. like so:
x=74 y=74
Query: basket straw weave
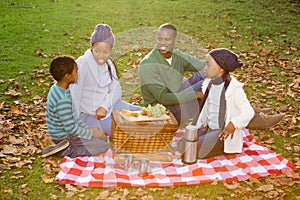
x=142 y=137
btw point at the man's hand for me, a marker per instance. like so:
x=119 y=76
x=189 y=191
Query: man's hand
x=100 y=113
x=97 y=133
x=228 y=131
x=199 y=94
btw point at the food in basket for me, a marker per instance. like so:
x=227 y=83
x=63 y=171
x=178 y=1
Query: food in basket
x=154 y=111
x=149 y=113
x=129 y=113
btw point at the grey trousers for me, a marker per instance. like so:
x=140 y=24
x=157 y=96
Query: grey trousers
x=209 y=144
x=83 y=147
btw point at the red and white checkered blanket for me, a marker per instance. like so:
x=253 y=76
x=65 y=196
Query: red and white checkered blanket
x=102 y=171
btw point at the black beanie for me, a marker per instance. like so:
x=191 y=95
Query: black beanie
x=226 y=59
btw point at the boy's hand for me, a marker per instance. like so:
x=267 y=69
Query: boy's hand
x=97 y=133
x=100 y=113
x=228 y=131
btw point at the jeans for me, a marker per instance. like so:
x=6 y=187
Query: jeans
x=185 y=111
x=105 y=124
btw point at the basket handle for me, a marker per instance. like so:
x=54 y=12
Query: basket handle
x=123 y=143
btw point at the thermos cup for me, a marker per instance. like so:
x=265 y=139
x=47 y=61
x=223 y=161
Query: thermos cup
x=190 y=141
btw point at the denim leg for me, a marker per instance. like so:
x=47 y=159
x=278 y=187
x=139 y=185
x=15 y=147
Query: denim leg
x=186 y=111
x=83 y=147
x=123 y=105
x=102 y=124
x=105 y=124
x=193 y=83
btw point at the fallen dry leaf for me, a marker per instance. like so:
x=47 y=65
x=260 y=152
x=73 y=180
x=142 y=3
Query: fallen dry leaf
x=140 y=192
x=48 y=180
x=265 y=188
x=103 y=195
x=147 y=197
x=25 y=188
x=9 y=149
x=232 y=186
x=6 y=191
x=13 y=92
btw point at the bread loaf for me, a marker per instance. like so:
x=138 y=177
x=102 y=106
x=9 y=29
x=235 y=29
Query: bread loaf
x=149 y=156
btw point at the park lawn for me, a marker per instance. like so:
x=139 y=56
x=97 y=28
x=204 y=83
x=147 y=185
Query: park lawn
x=265 y=35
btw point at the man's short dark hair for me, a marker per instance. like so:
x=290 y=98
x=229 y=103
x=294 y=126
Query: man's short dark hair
x=168 y=26
x=62 y=65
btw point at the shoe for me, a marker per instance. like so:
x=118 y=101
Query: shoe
x=53 y=149
x=263 y=110
x=263 y=121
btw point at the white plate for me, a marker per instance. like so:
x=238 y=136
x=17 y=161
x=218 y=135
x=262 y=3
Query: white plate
x=140 y=117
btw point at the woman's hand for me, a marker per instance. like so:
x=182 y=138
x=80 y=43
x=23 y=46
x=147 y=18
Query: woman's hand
x=228 y=131
x=100 y=113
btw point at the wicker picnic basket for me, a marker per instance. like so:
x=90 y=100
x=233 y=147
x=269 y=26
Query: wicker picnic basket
x=142 y=137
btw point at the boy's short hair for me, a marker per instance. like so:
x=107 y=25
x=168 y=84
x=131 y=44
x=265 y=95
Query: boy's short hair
x=168 y=26
x=61 y=65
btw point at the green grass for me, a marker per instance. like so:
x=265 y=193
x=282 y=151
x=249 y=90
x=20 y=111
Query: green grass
x=32 y=32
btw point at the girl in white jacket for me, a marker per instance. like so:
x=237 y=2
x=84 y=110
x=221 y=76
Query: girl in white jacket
x=97 y=91
x=226 y=106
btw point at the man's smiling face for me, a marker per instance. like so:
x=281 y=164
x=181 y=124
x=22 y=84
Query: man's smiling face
x=166 y=40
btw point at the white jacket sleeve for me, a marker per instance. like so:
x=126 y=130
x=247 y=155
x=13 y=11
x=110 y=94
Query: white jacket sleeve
x=239 y=112
x=246 y=112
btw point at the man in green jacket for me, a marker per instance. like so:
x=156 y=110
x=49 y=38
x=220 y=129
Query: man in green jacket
x=161 y=75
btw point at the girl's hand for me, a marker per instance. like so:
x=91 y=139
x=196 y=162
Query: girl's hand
x=228 y=131
x=199 y=94
x=100 y=113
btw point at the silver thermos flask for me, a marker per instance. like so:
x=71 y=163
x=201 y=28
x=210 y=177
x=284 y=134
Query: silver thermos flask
x=190 y=141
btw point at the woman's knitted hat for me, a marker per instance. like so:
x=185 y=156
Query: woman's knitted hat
x=226 y=59
x=103 y=33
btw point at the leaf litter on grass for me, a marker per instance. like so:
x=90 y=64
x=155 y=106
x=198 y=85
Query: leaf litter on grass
x=24 y=134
